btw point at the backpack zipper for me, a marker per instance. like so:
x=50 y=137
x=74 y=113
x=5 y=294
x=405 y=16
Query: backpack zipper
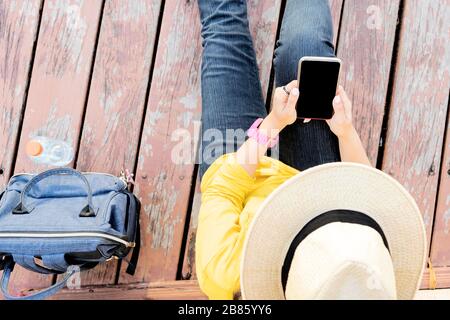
x=121 y=177
x=8 y=234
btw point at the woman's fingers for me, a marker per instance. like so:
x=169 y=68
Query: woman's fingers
x=293 y=97
x=282 y=95
x=347 y=104
x=338 y=103
x=344 y=96
x=291 y=85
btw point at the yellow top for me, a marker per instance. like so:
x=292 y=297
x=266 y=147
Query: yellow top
x=230 y=199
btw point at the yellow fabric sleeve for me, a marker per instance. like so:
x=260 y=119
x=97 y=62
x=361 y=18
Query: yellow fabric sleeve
x=220 y=238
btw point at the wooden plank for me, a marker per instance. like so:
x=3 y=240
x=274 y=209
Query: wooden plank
x=366 y=45
x=18 y=30
x=174 y=103
x=180 y=290
x=58 y=87
x=440 y=244
x=188 y=271
x=171 y=290
x=441 y=294
x=336 y=11
x=419 y=102
x=61 y=74
x=184 y=290
x=117 y=97
x=442 y=278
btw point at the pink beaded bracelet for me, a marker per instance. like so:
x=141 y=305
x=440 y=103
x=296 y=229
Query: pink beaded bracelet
x=261 y=138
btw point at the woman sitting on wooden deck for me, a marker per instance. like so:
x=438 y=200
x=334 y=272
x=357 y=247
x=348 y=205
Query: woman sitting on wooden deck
x=337 y=215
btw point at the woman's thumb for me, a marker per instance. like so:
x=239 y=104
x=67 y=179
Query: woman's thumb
x=338 y=105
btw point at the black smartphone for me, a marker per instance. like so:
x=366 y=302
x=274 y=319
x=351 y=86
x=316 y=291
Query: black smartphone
x=318 y=78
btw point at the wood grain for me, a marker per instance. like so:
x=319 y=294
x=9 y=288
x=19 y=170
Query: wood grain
x=185 y=290
x=336 y=11
x=440 y=245
x=111 y=131
x=171 y=290
x=60 y=74
x=442 y=277
x=189 y=272
x=418 y=112
x=18 y=31
x=174 y=103
x=162 y=186
x=365 y=46
x=58 y=87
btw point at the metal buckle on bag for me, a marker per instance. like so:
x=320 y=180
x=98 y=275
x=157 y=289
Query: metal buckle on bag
x=4 y=261
x=131 y=245
x=112 y=258
x=19 y=209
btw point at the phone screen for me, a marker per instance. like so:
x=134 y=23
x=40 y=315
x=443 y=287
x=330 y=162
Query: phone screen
x=317 y=85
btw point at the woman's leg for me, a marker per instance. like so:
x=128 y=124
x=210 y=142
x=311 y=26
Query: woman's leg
x=307 y=30
x=231 y=91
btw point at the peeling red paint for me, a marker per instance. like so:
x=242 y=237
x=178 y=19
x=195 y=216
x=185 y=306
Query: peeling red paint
x=116 y=102
x=18 y=30
x=419 y=105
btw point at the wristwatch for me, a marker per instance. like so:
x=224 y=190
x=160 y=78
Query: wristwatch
x=260 y=137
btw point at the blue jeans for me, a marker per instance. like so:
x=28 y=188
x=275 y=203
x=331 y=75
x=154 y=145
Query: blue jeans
x=231 y=91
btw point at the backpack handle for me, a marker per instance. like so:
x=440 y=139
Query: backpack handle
x=87 y=211
x=9 y=267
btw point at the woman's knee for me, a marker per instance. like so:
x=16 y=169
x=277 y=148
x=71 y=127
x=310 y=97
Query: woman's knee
x=223 y=15
x=304 y=43
x=291 y=48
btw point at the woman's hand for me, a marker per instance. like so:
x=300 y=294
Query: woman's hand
x=350 y=145
x=284 y=111
x=341 y=124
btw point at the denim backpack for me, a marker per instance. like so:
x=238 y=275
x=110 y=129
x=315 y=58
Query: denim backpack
x=63 y=221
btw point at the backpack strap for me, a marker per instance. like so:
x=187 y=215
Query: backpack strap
x=23 y=208
x=132 y=264
x=55 y=262
x=28 y=262
x=8 y=268
x=135 y=206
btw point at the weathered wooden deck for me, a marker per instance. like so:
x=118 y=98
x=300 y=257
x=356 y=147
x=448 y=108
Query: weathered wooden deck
x=115 y=78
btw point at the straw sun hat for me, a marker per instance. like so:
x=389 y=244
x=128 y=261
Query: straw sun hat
x=336 y=231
